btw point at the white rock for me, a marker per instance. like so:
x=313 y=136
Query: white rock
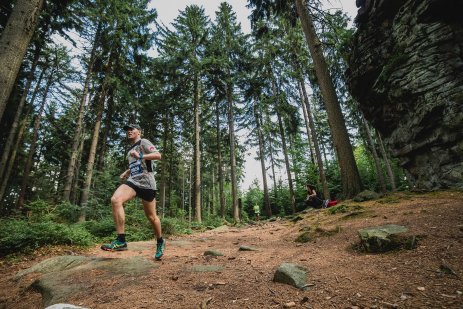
x=64 y=306
x=289 y=305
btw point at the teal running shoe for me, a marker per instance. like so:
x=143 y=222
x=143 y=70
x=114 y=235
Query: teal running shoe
x=115 y=245
x=160 y=246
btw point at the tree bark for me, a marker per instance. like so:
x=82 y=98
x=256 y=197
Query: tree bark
x=288 y=167
x=14 y=41
x=74 y=197
x=219 y=161
x=12 y=158
x=162 y=189
x=103 y=144
x=379 y=171
x=30 y=158
x=171 y=174
x=260 y=137
x=350 y=177
x=285 y=152
x=96 y=133
x=197 y=152
x=272 y=161
x=307 y=126
x=231 y=129
x=386 y=162
x=14 y=127
x=321 y=169
x=79 y=123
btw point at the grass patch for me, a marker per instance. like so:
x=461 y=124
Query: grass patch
x=389 y=200
x=343 y=208
x=328 y=232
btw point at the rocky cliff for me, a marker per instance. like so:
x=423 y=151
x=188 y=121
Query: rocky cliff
x=406 y=71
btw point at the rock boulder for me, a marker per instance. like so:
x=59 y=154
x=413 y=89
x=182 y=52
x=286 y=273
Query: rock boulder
x=406 y=72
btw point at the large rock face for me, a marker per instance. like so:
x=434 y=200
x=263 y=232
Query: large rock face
x=406 y=71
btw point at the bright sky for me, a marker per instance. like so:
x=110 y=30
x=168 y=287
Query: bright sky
x=169 y=10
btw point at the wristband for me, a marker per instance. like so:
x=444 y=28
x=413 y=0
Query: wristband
x=141 y=155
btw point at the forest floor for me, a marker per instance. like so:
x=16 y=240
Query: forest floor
x=339 y=275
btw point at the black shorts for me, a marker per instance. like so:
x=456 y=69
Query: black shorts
x=145 y=194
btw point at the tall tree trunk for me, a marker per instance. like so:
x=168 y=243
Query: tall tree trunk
x=11 y=158
x=96 y=132
x=79 y=123
x=260 y=137
x=288 y=168
x=14 y=127
x=350 y=177
x=386 y=162
x=219 y=161
x=171 y=176
x=9 y=167
x=272 y=160
x=285 y=152
x=321 y=169
x=307 y=125
x=13 y=44
x=103 y=144
x=197 y=152
x=93 y=147
x=190 y=197
x=162 y=190
x=214 y=190
x=231 y=129
x=30 y=158
x=379 y=171
x=74 y=197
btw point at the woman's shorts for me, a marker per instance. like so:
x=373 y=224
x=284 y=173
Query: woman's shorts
x=145 y=194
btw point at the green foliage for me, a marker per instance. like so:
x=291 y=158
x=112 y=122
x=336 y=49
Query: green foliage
x=366 y=168
x=40 y=211
x=100 y=228
x=343 y=208
x=338 y=209
x=214 y=221
x=21 y=235
x=254 y=195
x=304 y=237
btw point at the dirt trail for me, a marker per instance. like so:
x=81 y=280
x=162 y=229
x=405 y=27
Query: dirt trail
x=340 y=277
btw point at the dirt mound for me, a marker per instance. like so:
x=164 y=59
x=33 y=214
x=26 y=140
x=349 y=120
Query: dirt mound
x=339 y=275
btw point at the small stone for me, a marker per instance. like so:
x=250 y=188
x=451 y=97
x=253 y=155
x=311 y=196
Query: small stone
x=304 y=300
x=420 y=288
x=358 y=295
x=289 y=305
x=403 y=297
x=220 y=283
x=247 y=248
x=459 y=292
x=213 y=253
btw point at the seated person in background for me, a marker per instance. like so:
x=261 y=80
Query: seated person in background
x=312 y=199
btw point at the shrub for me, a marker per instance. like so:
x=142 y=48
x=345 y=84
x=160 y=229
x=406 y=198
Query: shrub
x=20 y=235
x=102 y=228
x=338 y=209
